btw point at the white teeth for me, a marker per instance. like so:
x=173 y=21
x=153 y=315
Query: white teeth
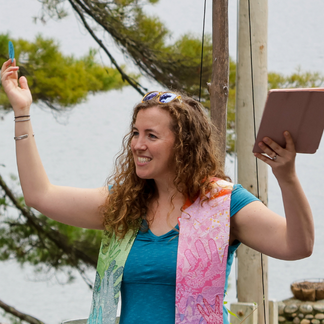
x=143 y=159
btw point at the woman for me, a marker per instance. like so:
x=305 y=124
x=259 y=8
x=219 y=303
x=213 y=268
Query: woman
x=168 y=246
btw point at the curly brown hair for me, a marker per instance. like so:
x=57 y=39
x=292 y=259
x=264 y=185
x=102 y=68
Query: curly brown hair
x=195 y=159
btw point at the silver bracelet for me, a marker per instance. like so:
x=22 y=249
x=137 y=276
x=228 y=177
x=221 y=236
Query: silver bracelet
x=23 y=120
x=17 y=138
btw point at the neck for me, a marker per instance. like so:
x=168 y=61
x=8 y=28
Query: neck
x=165 y=208
x=165 y=188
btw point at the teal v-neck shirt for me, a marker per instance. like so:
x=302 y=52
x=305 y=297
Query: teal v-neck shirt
x=149 y=280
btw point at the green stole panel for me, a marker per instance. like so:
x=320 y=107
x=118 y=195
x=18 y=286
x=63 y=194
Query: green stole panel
x=112 y=258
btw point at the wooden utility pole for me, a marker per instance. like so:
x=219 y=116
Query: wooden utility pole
x=218 y=88
x=251 y=65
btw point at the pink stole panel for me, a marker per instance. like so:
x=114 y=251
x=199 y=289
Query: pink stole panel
x=202 y=258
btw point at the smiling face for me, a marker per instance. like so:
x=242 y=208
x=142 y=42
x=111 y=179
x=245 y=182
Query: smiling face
x=152 y=144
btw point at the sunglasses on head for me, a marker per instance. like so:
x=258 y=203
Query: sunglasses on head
x=163 y=97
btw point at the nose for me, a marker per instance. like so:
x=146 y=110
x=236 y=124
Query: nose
x=139 y=143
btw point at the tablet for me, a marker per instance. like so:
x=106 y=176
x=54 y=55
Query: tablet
x=299 y=111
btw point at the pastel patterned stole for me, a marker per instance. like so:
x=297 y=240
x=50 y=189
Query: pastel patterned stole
x=202 y=257
x=111 y=262
x=201 y=263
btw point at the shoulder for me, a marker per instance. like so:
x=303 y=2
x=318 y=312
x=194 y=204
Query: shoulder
x=222 y=184
x=220 y=187
x=240 y=198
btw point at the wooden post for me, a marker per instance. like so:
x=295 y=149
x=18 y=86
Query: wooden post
x=246 y=313
x=273 y=312
x=219 y=82
x=249 y=284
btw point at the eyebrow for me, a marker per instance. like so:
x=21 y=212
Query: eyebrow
x=147 y=130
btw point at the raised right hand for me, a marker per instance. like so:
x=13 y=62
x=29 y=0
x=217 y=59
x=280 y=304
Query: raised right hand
x=68 y=205
x=19 y=97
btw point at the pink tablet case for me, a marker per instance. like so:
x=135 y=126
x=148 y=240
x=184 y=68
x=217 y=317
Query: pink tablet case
x=299 y=111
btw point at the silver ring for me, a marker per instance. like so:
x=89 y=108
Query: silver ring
x=274 y=158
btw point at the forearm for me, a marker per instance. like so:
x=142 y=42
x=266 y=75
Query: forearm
x=299 y=219
x=293 y=238
x=73 y=206
x=33 y=178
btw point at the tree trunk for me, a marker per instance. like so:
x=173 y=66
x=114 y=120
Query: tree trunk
x=219 y=83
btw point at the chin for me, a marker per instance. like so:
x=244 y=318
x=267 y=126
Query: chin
x=143 y=176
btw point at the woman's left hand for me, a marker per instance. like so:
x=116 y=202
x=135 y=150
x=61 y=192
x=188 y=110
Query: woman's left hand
x=289 y=238
x=281 y=160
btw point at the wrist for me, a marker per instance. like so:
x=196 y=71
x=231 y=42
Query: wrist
x=22 y=112
x=288 y=179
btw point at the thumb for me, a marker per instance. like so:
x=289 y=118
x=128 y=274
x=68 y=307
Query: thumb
x=290 y=145
x=23 y=83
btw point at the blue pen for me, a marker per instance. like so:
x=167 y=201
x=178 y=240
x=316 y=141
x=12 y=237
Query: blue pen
x=11 y=51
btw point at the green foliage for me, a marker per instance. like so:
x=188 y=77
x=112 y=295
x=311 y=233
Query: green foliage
x=57 y=80
x=53 y=9
x=22 y=241
x=11 y=319
x=230 y=136
x=188 y=50
x=19 y=240
x=299 y=79
x=65 y=81
x=174 y=64
x=146 y=40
